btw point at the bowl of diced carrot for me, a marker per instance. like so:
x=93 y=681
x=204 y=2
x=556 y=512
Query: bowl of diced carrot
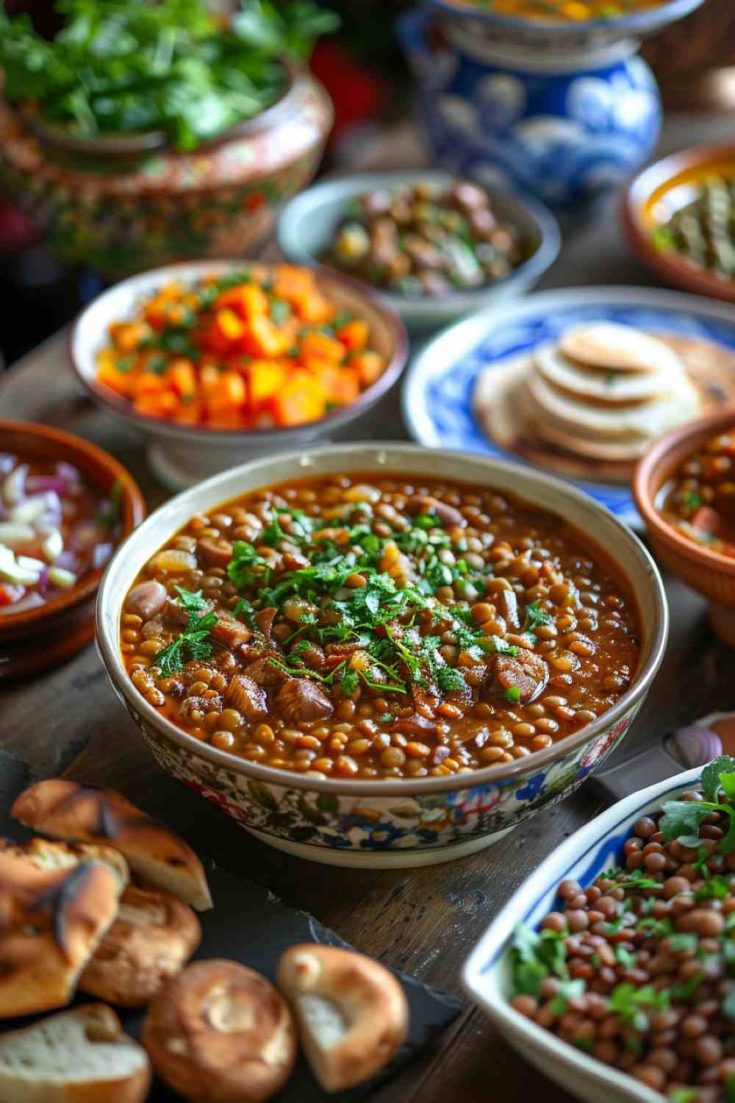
x=223 y=360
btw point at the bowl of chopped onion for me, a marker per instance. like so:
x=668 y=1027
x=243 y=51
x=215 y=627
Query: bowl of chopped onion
x=65 y=506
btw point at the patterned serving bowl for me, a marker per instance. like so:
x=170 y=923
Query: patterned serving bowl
x=117 y=206
x=487 y=973
x=386 y=823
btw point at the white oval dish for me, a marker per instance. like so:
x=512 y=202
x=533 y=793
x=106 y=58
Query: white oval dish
x=486 y=974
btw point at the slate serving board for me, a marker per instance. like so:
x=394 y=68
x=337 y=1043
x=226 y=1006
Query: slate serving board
x=251 y=925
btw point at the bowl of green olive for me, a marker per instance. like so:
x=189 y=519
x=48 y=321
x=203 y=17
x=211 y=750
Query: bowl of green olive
x=433 y=246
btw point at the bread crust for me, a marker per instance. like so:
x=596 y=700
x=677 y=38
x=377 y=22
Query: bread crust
x=151 y=940
x=65 y=810
x=101 y=1026
x=56 y=902
x=221 y=1033
x=352 y=1013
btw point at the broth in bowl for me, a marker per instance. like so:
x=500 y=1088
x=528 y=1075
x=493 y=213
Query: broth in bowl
x=374 y=626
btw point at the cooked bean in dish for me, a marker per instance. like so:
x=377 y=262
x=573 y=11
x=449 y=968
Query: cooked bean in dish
x=572 y=11
x=637 y=968
x=699 y=501
x=370 y=627
x=54 y=529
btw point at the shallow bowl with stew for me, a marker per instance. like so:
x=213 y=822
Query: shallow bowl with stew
x=707 y=571
x=181 y=455
x=396 y=822
x=657 y=193
x=487 y=973
x=308 y=222
x=39 y=637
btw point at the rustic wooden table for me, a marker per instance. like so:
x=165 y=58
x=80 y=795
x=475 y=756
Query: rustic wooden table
x=423 y=921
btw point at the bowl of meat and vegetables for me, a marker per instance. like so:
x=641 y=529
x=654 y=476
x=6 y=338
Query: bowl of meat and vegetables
x=433 y=246
x=382 y=654
x=611 y=969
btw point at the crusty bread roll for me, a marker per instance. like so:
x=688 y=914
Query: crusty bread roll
x=66 y=810
x=351 y=1011
x=79 y=1056
x=151 y=940
x=220 y=1033
x=56 y=902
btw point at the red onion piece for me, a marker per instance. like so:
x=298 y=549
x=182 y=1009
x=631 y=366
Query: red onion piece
x=693 y=746
x=32 y=600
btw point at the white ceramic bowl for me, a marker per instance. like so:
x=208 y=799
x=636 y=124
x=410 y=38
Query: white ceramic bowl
x=181 y=455
x=487 y=972
x=396 y=822
x=307 y=223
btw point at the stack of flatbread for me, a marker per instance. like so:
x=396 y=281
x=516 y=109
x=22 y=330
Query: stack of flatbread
x=601 y=394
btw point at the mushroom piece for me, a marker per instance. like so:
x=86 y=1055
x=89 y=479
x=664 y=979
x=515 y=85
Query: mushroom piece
x=352 y=1013
x=220 y=1031
x=525 y=672
x=300 y=701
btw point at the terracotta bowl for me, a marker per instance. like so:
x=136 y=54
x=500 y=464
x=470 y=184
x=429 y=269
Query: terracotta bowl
x=181 y=455
x=708 y=572
x=47 y=635
x=396 y=822
x=655 y=194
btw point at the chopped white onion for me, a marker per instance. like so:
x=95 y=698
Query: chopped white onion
x=14 y=484
x=22 y=570
x=61 y=578
x=34 y=508
x=53 y=546
x=13 y=533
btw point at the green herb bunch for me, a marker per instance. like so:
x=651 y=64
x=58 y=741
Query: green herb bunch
x=129 y=66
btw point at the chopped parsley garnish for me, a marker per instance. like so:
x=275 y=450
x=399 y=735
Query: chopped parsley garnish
x=513 y=695
x=194 y=642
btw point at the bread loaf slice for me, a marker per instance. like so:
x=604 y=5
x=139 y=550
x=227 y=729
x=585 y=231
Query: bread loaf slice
x=66 y=810
x=79 y=1056
x=56 y=902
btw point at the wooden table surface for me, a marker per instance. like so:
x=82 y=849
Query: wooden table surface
x=423 y=921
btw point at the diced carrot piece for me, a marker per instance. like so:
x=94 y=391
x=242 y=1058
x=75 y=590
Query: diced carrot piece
x=314 y=309
x=164 y=404
x=230 y=394
x=126 y=336
x=189 y=412
x=292 y=283
x=224 y=332
x=117 y=381
x=354 y=335
x=322 y=346
x=262 y=338
x=341 y=384
x=369 y=366
x=147 y=383
x=208 y=380
x=181 y=377
x=301 y=400
x=247 y=300
x=265 y=378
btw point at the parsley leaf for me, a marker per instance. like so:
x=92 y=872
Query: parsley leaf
x=241 y=568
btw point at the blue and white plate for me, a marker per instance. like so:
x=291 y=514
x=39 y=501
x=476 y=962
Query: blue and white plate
x=437 y=395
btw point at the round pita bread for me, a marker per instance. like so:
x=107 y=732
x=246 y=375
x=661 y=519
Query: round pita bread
x=607 y=345
x=605 y=388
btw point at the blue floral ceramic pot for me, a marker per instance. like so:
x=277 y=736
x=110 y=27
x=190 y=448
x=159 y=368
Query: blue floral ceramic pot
x=565 y=126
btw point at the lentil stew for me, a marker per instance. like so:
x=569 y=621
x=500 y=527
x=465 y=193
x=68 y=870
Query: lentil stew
x=637 y=968
x=371 y=627
x=699 y=500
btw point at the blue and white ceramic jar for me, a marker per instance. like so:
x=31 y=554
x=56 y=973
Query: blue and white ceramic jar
x=566 y=126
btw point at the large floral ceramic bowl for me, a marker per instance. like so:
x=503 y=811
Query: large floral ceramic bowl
x=120 y=215
x=396 y=822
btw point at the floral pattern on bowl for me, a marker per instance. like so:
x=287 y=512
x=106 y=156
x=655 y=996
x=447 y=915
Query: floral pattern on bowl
x=218 y=201
x=428 y=820
x=437 y=397
x=564 y=130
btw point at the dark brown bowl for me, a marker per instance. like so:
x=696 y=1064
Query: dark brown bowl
x=650 y=190
x=708 y=572
x=41 y=637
